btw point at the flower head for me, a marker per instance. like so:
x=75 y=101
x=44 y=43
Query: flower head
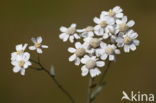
x=69 y=33
x=91 y=65
x=78 y=52
x=102 y=23
x=128 y=41
x=21 y=63
x=116 y=12
x=19 y=51
x=107 y=50
x=37 y=45
x=122 y=25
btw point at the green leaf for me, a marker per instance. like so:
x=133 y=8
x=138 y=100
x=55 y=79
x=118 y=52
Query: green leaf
x=52 y=71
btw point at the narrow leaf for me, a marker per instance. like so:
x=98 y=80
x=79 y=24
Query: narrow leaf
x=52 y=71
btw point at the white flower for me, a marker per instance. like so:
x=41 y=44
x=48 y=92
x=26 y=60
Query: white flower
x=102 y=23
x=116 y=12
x=21 y=64
x=122 y=25
x=69 y=33
x=107 y=50
x=37 y=45
x=87 y=32
x=128 y=41
x=78 y=52
x=92 y=44
x=91 y=65
x=19 y=51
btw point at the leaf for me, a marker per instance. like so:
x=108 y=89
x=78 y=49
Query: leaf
x=52 y=71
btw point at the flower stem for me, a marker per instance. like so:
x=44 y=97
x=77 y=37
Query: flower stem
x=104 y=73
x=54 y=79
x=100 y=83
x=90 y=89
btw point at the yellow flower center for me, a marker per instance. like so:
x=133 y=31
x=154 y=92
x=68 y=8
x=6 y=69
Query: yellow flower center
x=90 y=64
x=37 y=45
x=127 y=40
x=109 y=50
x=80 y=52
x=94 y=43
x=19 y=52
x=111 y=13
x=103 y=24
x=123 y=27
x=70 y=30
x=21 y=63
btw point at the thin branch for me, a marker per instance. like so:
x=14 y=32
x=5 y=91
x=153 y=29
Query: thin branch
x=54 y=79
x=104 y=73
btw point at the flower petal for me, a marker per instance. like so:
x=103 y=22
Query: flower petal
x=94 y=72
x=96 y=20
x=33 y=40
x=78 y=45
x=63 y=29
x=39 y=50
x=73 y=25
x=16 y=69
x=100 y=63
x=111 y=57
x=65 y=38
x=84 y=71
x=133 y=47
x=23 y=72
x=126 y=48
x=130 y=23
x=39 y=39
x=72 y=58
x=71 y=50
x=104 y=56
x=44 y=46
x=32 y=47
x=77 y=61
x=71 y=39
x=19 y=47
x=119 y=15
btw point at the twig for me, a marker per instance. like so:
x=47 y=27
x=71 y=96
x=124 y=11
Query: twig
x=53 y=78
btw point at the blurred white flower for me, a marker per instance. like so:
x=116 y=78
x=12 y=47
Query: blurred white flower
x=92 y=44
x=116 y=12
x=91 y=65
x=107 y=50
x=21 y=63
x=122 y=25
x=87 y=32
x=78 y=52
x=69 y=33
x=102 y=23
x=37 y=45
x=128 y=41
x=19 y=51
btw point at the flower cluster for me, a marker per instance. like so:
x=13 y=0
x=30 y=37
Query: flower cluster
x=21 y=59
x=100 y=42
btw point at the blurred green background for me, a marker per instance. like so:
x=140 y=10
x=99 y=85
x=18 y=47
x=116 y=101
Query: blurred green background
x=22 y=19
